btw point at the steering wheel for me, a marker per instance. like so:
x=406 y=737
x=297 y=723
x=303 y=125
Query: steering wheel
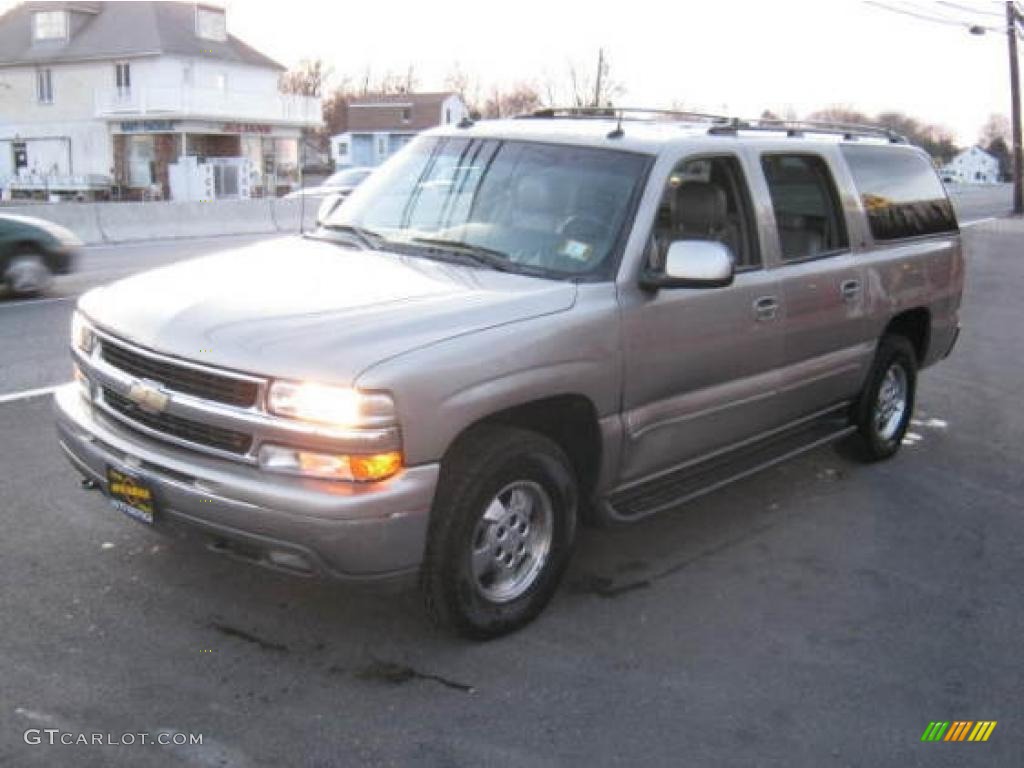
x=584 y=226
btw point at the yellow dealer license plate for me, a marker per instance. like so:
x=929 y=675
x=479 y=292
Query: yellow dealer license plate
x=131 y=495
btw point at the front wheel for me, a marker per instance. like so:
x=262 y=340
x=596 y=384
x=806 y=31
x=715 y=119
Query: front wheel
x=501 y=531
x=27 y=274
x=883 y=411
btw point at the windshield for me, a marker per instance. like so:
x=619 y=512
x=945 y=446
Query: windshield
x=346 y=178
x=538 y=208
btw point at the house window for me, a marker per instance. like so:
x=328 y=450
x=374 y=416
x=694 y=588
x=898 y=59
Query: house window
x=44 y=86
x=448 y=115
x=382 y=146
x=50 y=25
x=123 y=78
x=210 y=24
x=342 y=148
x=406 y=115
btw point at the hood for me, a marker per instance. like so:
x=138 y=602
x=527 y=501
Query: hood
x=306 y=309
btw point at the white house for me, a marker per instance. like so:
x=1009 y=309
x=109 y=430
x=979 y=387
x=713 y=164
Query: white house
x=134 y=96
x=378 y=125
x=972 y=166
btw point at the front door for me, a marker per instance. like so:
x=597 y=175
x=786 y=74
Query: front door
x=700 y=363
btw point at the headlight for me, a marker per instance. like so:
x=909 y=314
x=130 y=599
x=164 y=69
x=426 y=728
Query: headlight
x=327 y=404
x=82 y=337
x=358 y=468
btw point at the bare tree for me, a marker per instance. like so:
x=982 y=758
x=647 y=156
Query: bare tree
x=996 y=127
x=936 y=140
x=581 y=87
x=397 y=82
x=309 y=79
x=335 y=109
x=840 y=113
x=521 y=99
x=468 y=87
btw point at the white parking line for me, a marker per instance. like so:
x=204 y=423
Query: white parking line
x=976 y=222
x=13 y=397
x=35 y=302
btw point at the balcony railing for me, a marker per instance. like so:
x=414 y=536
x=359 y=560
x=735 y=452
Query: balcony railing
x=188 y=102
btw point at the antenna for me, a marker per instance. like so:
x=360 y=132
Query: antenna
x=618 y=133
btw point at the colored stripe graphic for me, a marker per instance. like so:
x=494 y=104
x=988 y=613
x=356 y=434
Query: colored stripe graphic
x=982 y=730
x=958 y=730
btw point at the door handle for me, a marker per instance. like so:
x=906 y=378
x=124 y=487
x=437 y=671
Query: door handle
x=766 y=308
x=850 y=289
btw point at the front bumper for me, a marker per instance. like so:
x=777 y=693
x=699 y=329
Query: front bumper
x=339 y=530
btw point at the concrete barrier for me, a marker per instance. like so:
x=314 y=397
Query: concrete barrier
x=80 y=218
x=98 y=223
x=286 y=214
x=121 y=222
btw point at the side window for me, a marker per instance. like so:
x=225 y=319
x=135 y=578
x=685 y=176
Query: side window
x=707 y=198
x=901 y=192
x=807 y=211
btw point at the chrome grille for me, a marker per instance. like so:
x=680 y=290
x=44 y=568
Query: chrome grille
x=181 y=378
x=183 y=429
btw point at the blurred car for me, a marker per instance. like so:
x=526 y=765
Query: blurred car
x=339 y=183
x=32 y=251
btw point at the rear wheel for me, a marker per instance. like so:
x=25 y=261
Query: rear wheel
x=27 y=274
x=885 y=406
x=501 y=531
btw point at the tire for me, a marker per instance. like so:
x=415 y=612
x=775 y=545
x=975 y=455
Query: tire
x=27 y=274
x=502 y=494
x=884 y=408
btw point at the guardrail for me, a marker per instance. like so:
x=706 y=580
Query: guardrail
x=96 y=223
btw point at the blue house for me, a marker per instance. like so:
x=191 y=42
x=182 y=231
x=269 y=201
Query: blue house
x=381 y=124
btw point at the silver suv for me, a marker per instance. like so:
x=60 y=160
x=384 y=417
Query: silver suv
x=513 y=327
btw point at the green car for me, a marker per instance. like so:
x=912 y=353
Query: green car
x=32 y=251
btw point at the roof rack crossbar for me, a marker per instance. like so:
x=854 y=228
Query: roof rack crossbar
x=720 y=124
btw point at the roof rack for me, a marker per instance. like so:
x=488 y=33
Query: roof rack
x=798 y=128
x=718 y=125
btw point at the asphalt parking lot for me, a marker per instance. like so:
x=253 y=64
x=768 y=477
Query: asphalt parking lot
x=821 y=613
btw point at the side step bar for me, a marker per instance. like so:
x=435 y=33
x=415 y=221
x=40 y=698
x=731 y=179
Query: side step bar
x=690 y=481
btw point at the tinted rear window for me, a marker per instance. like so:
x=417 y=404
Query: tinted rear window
x=901 y=192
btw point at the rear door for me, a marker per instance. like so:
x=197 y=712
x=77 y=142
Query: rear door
x=821 y=282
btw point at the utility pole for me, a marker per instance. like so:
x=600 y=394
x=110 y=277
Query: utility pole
x=600 y=72
x=1012 y=17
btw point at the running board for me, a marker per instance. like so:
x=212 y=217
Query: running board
x=681 y=485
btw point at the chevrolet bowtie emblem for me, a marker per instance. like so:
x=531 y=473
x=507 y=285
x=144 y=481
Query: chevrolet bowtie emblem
x=147 y=397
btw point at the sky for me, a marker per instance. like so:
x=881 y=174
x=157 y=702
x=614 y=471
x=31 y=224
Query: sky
x=738 y=57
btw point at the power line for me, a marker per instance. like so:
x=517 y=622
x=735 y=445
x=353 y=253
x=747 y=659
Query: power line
x=968 y=8
x=933 y=18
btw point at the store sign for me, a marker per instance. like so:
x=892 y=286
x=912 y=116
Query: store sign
x=245 y=128
x=147 y=126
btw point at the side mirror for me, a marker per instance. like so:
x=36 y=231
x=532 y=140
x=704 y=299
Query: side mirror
x=327 y=207
x=694 y=264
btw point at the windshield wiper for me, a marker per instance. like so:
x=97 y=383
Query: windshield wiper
x=367 y=237
x=489 y=257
